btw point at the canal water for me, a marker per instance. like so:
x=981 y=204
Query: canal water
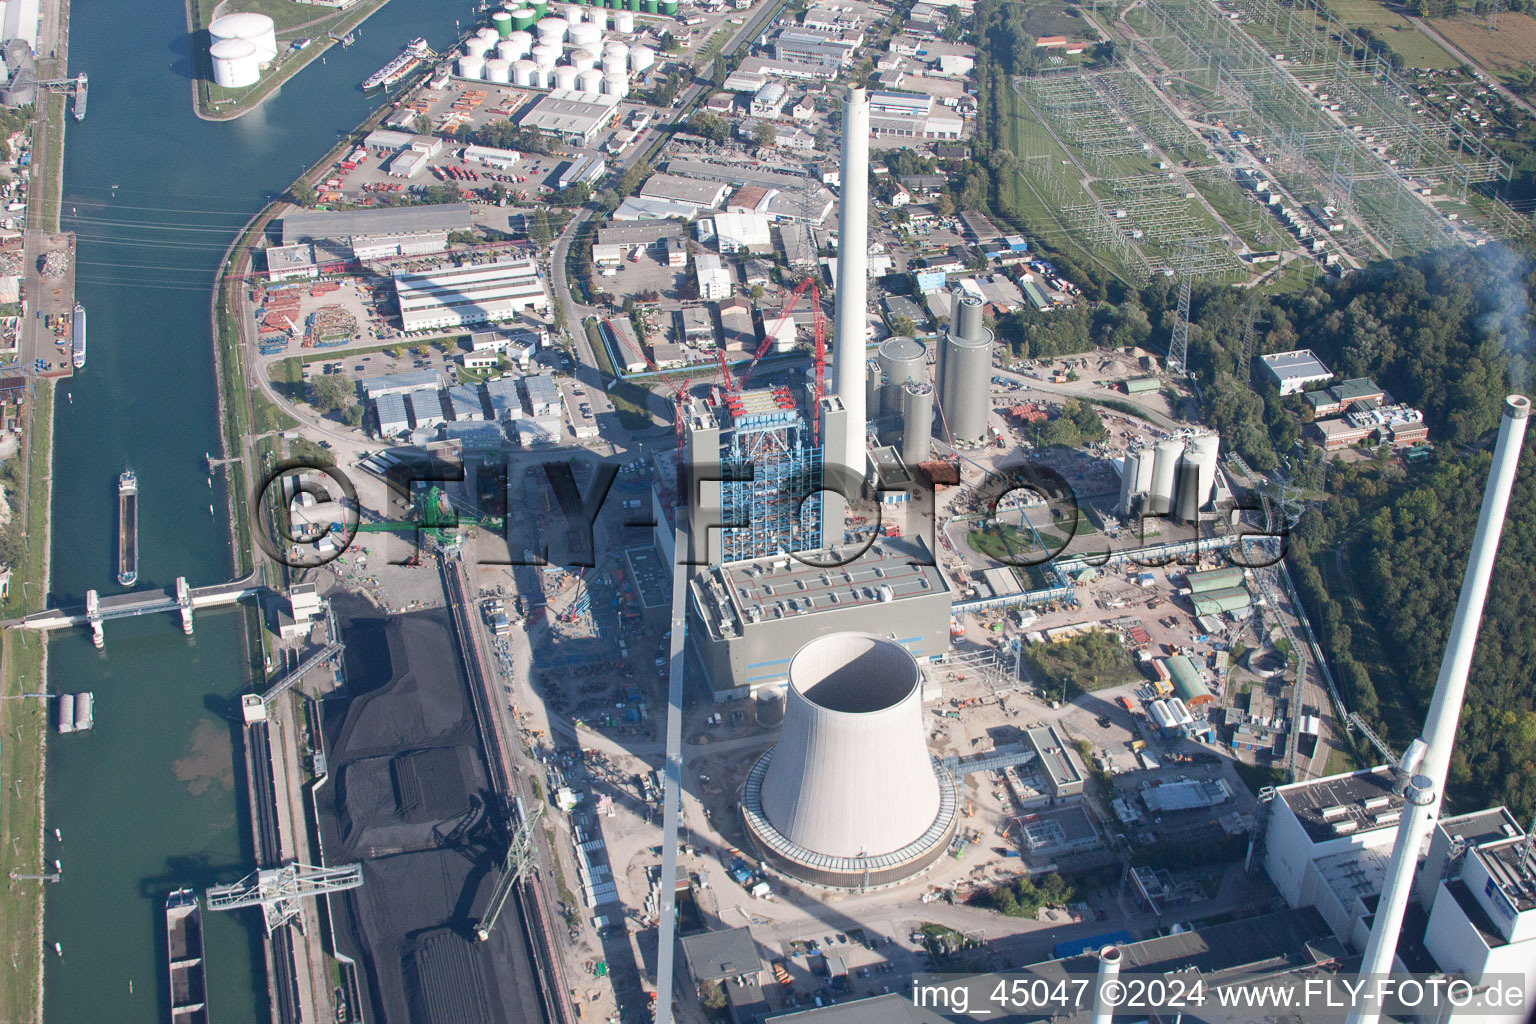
x=152 y=799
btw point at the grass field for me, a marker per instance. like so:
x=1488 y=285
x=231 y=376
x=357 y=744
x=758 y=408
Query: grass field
x=1416 y=49
x=21 y=764
x=1502 y=51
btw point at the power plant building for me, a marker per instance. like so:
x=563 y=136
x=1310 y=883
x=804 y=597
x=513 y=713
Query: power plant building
x=850 y=796
x=747 y=618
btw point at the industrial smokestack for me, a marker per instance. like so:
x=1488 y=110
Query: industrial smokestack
x=1420 y=800
x=1428 y=787
x=1451 y=686
x=848 y=344
x=1109 y=970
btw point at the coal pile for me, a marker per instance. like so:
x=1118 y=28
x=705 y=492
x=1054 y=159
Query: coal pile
x=409 y=797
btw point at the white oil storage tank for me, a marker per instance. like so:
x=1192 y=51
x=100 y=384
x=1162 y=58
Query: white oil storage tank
x=546 y=55
x=509 y=50
x=490 y=35
x=542 y=77
x=565 y=78
x=257 y=29
x=582 y=60
x=472 y=67
x=623 y=21
x=1165 y=469
x=552 y=30
x=522 y=72
x=498 y=70
x=236 y=64
x=521 y=41
x=616 y=85
x=474 y=46
x=586 y=36
x=640 y=58
x=599 y=18
x=615 y=65
x=590 y=82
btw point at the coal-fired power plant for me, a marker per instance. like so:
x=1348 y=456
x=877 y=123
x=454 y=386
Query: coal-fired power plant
x=849 y=340
x=964 y=372
x=850 y=797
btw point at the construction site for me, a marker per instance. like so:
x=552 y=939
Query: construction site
x=1249 y=140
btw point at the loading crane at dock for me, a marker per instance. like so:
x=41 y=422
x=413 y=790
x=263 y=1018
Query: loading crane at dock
x=438 y=514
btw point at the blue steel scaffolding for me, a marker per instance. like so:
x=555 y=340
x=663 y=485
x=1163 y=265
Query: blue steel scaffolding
x=772 y=478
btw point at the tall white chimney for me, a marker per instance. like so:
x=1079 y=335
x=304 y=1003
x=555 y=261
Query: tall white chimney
x=1109 y=970
x=848 y=344
x=1427 y=788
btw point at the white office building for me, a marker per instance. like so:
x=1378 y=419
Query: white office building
x=714 y=278
x=447 y=297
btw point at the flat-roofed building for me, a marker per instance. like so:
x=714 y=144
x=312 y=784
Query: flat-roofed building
x=1296 y=371
x=474 y=293
x=1335 y=435
x=291 y=263
x=342 y=226
x=1058 y=770
x=387 y=246
x=575 y=117
x=464 y=402
x=393 y=417
x=742 y=232
x=674 y=188
x=714 y=278
x=402 y=383
x=490 y=156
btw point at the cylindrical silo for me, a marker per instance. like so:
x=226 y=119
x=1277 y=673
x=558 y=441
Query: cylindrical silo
x=565 y=78
x=640 y=58
x=590 y=82
x=523 y=19
x=964 y=397
x=1165 y=470
x=769 y=704
x=236 y=64
x=584 y=60
x=1207 y=452
x=614 y=48
x=498 y=69
x=901 y=359
x=615 y=84
x=501 y=21
x=546 y=55
x=522 y=72
x=849 y=796
x=539 y=7
x=67 y=700
x=652 y=6
x=916 y=421
x=257 y=29
x=586 y=36
x=599 y=17
x=543 y=77
x=474 y=46
x=615 y=65
x=1130 y=473
x=1194 y=480
x=624 y=22
x=552 y=30
x=669 y=7
x=471 y=67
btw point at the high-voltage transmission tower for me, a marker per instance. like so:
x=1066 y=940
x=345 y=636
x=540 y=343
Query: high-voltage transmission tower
x=1178 y=348
x=277 y=891
x=521 y=855
x=1250 y=337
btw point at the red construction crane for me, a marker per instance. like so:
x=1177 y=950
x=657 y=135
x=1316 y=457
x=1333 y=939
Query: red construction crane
x=819 y=328
x=768 y=340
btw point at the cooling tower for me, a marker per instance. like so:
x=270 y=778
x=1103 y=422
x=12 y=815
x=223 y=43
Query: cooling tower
x=916 y=421
x=901 y=359
x=850 y=797
x=1165 y=468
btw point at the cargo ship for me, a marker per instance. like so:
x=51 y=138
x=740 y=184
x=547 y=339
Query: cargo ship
x=184 y=958
x=77 y=335
x=409 y=60
x=79 y=110
x=128 y=529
